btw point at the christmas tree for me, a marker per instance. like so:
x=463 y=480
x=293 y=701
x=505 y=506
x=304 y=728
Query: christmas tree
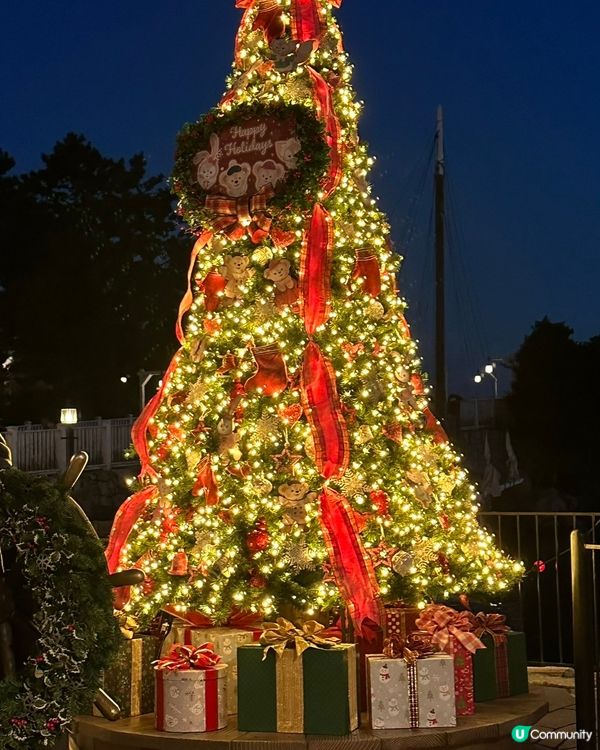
x=289 y=457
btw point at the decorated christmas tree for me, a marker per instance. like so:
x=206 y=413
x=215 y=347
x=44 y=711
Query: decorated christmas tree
x=289 y=458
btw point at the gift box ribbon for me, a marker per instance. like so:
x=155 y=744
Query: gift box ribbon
x=185 y=657
x=445 y=626
x=283 y=634
x=411 y=649
x=494 y=625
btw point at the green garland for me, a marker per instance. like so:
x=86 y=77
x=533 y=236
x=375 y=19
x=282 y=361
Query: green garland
x=301 y=185
x=64 y=570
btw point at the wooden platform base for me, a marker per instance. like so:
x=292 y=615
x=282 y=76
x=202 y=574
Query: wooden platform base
x=489 y=729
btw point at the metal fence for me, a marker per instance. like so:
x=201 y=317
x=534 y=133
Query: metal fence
x=585 y=639
x=544 y=596
x=43 y=450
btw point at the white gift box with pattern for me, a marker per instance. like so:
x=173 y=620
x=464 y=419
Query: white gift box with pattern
x=191 y=700
x=225 y=642
x=409 y=697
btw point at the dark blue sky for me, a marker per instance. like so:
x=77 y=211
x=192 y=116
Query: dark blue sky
x=519 y=82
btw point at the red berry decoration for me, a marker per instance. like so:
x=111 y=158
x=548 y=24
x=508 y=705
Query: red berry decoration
x=52 y=725
x=259 y=538
x=540 y=566
x=381 y=501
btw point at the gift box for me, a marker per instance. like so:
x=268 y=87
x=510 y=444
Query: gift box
x=298 y=686
x=453 y=632
x=411 y=694
x=400 y=620
x=500 y=669
x=191 y=691
x=225 y=642
x=129 y=680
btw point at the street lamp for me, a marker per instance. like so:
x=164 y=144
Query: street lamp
x=144 y=377
x=488 y=370
x=68 y=417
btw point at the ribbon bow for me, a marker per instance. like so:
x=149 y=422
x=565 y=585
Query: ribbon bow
x=410 y=649
x=493 y=624
x=445 y=625
x=304 y=17
x=128 y=625
x=186 y=657
x=283 y=634
x=240 y=215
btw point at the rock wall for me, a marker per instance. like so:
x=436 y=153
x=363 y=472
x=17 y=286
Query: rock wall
x=100 y=492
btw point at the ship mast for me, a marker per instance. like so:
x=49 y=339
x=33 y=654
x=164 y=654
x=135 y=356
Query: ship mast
x=440 y=392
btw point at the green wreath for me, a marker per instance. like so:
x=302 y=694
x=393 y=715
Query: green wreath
x=65 y=594
x=301 y=185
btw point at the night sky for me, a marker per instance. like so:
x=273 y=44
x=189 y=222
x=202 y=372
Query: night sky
x=519 y=84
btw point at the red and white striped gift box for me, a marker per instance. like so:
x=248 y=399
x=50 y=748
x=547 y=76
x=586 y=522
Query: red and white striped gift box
x=191 y=700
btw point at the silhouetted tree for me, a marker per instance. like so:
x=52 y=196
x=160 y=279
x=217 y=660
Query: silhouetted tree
x=554 y=404
x=89 y=281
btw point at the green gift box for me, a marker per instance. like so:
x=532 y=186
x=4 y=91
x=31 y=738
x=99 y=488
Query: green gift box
x=129 y=680
x=315 y=693
x=500 y=669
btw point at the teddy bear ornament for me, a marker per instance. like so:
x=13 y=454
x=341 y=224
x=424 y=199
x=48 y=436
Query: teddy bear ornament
x=288 y=54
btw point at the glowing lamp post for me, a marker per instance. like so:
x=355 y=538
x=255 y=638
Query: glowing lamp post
x=68 y=418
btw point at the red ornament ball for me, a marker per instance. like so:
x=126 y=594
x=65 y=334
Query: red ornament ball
x=258 y=582
x=540 y=566
x=259 y=538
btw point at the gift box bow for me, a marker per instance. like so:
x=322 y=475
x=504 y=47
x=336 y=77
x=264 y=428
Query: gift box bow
x=283 y=634
x=182 y=657
x=491 y=624
x=128 y=625
x=416 y=646
x=445 y=624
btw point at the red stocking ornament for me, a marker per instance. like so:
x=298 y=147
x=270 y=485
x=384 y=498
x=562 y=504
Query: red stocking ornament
x=271 y=377
x=367 y=269
x=212 y=286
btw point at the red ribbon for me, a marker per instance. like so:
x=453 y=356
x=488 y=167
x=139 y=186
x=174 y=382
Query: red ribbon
x=206 y=482
x=188 y=297
x=351 y=566
x=324 y=103
x=492 y=624
x=186 y=657
x=237 y=619
x=140 y=427
x=126 y=516
x=446 y=626
x=495 y=625
x=321 y=405
x=306 y=23
x=315 y=270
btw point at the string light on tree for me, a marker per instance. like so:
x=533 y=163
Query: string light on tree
x=292 y=430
